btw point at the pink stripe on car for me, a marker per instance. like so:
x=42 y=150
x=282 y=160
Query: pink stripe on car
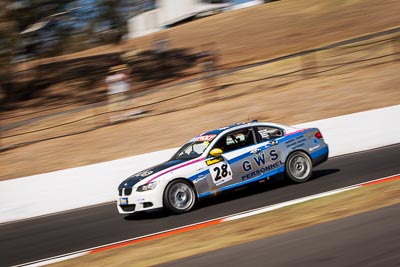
x=175 y=168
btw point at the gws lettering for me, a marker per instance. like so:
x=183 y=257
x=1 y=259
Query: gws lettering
x=262 y=170
x=260 y=160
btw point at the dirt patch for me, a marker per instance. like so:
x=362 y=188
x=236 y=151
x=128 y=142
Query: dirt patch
x=245 y=36
x=150 y=253
x=273 y=29
x=339 y=81
x=345 y=80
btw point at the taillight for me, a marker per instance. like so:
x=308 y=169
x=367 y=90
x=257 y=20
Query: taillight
x=319 y=135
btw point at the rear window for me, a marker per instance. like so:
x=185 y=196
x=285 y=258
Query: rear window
x=269 y=132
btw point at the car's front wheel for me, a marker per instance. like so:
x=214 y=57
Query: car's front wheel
x=179 y=196
x=298 y=167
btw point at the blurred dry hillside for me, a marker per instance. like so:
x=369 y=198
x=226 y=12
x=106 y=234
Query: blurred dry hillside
x=347 y=79
x=241 y=37
x=79 y=81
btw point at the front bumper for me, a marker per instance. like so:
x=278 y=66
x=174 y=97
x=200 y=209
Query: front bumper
x=140 y=201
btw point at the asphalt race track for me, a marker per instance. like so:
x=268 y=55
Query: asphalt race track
x=40 y=238
x=367 y=239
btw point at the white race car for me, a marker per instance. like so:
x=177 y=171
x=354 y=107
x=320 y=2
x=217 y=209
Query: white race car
x=224 y=159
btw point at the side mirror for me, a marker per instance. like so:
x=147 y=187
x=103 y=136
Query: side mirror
x=216 y=152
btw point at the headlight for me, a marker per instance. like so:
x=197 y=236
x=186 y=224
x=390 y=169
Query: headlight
x=147 y=187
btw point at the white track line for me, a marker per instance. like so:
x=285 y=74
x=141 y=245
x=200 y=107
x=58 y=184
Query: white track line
x=219 y=220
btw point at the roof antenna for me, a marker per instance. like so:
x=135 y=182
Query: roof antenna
x=248 y=119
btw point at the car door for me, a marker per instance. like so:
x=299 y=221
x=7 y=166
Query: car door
x=226 y=171
x=267 y=157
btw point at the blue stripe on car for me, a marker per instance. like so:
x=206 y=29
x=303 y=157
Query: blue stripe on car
x=265 y=175
x=198 y=175
x=264 y=147
x=320 y=152
x=314 y=155
x=204 y=194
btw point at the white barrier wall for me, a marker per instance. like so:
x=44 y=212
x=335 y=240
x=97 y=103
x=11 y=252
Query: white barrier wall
x=94 y=184
x=168 y=11
x=70 y=188
x=360 y=131
x=246 y=5
x=143 y=24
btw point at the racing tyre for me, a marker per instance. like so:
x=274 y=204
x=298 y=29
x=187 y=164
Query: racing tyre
x=179 y=196
x=298 y=167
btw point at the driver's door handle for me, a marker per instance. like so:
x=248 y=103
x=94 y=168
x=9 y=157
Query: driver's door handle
x=255 y=151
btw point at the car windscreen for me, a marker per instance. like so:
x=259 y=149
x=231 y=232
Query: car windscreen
x=191 y=150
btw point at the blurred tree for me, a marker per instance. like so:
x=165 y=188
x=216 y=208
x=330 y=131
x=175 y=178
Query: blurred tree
x=41 y=28
x=17 y=17
x=8 y=40
x=111 y=21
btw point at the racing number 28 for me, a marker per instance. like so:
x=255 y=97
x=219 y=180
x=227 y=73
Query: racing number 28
x=222 y=172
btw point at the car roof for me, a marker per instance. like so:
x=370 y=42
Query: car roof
x=222 y=129
x=245 y=124
x=237 y=126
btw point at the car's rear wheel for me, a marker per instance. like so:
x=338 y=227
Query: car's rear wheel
x=298 y=167
x=179 y=196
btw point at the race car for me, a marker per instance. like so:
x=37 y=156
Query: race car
x=221 y=160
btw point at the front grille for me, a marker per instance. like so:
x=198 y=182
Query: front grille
x=128 y=208
x=125 y=191
x=128 y=191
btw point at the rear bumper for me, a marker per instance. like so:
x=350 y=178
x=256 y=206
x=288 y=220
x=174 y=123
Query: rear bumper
x=320 y=156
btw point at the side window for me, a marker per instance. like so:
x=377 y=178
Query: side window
x=236 y=140
x=265 y=133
